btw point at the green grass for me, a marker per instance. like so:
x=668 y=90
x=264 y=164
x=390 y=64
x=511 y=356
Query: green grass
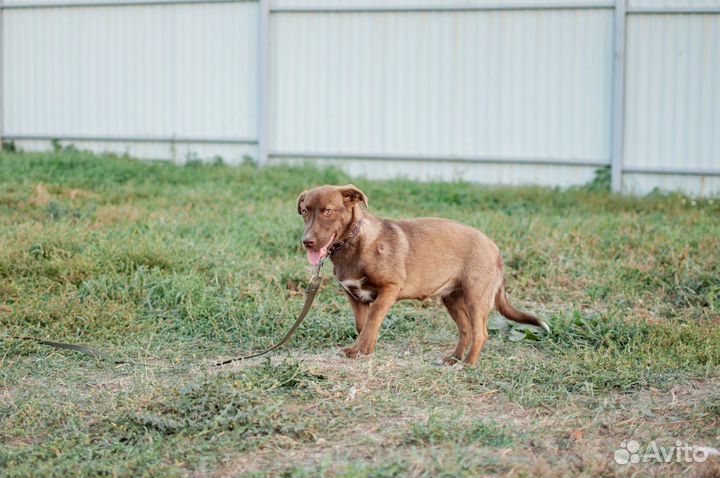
x=174 y=267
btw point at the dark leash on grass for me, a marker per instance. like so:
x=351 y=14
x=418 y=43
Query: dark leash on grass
x=311 y=292
x=83 y=349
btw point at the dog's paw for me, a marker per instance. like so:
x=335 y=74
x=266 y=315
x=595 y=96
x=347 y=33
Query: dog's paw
x=350 y=352
x=449 y=361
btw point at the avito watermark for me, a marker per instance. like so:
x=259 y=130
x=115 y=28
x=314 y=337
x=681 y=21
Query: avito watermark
x=630 y=452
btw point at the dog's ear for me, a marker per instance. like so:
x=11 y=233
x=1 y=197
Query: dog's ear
x=301 y=198
x=352 y=195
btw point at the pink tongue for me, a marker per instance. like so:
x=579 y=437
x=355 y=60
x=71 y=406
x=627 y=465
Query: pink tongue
x=315 y=256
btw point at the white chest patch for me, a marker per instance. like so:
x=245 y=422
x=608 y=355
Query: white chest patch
x=354 y=287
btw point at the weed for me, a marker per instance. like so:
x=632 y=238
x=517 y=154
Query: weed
x=601 y=180
x=9 y=147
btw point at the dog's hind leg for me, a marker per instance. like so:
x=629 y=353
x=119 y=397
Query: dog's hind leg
x=478 y=312
x=479 y=302
x=455 y=304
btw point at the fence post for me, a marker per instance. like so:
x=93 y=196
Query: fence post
x=263 y=81
x=618 y=95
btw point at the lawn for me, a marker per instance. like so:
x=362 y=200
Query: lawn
x=171 y=268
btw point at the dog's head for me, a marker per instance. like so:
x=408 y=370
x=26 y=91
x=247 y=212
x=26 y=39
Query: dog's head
x=327 y=212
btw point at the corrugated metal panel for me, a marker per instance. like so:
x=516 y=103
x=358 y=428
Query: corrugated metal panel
x=693 y=185
x=509 y=174
x=673 y=3
x=367 y=3
x=39 y=4
x=502 y=84
x=177 y=152
x=440 y=95
x=673 y=99
x=181 y=70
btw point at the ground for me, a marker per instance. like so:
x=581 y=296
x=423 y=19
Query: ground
x=172 y=268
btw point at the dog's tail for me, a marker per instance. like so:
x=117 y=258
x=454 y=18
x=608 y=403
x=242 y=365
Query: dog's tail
x=504 y=307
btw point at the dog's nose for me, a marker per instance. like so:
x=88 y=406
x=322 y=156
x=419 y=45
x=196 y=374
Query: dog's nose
x=308 y=243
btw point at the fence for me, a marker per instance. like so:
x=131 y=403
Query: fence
x=522 y=91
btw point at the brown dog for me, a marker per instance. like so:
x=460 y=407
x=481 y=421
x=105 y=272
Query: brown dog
x=379 y=261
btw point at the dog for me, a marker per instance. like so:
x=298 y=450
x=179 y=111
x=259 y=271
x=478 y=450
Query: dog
x=380 y=261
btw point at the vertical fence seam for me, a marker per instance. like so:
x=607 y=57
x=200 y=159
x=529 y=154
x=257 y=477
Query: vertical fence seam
x=263 y=81
x=618 y=95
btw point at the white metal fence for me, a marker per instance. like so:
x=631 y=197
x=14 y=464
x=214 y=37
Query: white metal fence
x=518 y=92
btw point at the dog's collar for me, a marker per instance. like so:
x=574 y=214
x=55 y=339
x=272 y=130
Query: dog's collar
x=354 y=231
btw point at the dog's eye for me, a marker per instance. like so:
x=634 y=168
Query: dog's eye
x=327 y=212
x=304 y=212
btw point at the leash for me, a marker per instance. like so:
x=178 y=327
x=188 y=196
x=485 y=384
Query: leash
x=83 y=349
x=311 y=292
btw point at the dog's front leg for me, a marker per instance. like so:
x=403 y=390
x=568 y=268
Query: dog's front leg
x=360 y=311
x=368 y=337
